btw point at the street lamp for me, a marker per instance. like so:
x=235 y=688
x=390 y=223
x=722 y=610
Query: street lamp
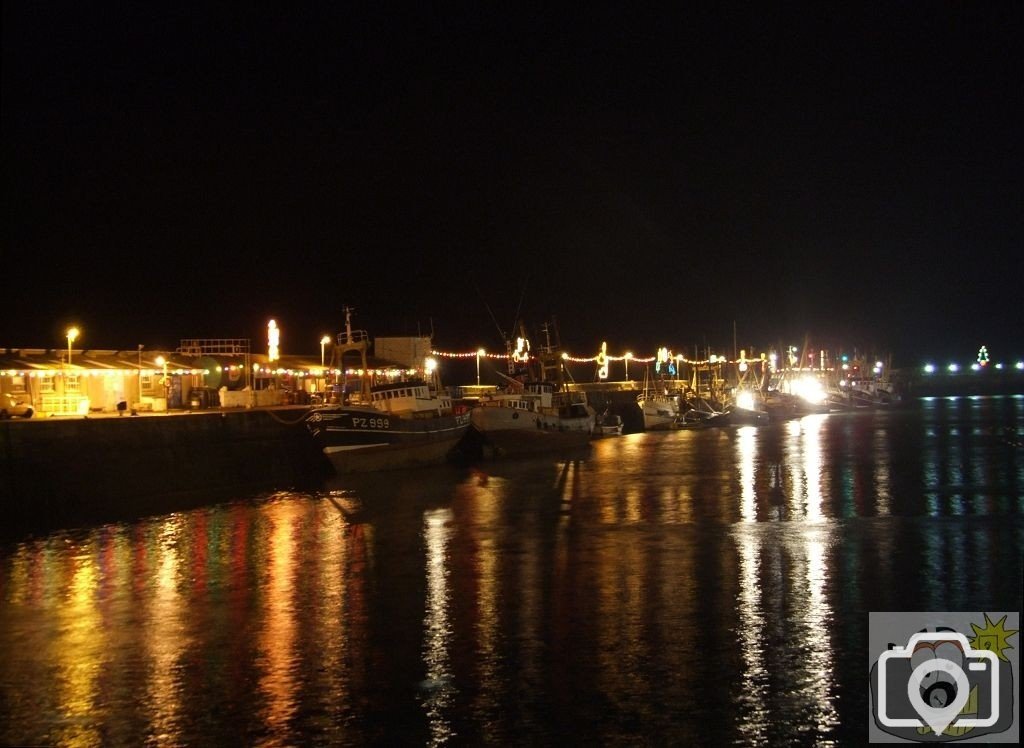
x=139 y=398
x=323 y=341
x=626 y=358
x=479 y=352
x=162 y=363
x=72 y=336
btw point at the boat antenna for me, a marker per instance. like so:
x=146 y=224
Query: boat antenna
x=522 y=295
x=348 y=323
x=546 y=329
x=495 y=321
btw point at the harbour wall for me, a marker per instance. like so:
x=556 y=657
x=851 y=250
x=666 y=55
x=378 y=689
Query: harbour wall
x=618 y=399
x=62 y=473
x=945 y=384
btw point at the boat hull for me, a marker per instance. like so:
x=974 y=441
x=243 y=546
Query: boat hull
x=358 y=440
x=747 y=417
x=521 y=441
x=660 y=422
x=661 y=412
x=510 y=431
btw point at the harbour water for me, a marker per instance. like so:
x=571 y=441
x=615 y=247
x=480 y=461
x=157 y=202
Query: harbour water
x=681 y=588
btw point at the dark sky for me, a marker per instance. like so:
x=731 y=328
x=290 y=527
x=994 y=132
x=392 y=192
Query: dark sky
x=853 y=176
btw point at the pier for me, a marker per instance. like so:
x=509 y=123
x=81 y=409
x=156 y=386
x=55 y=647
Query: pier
x=64 y=472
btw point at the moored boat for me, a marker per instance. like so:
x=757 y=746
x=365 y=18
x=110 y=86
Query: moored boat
x=536 y=419
x=748 y=406
x=535 y=412
x=661 y=411
x=396 y=423
x=608 y=424
x=701 y=412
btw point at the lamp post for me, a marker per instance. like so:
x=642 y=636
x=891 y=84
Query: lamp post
x=323 y=374
x=72 y=335
x=139 y=398
x=626 y=359
x=479 y=352
x=162 y=363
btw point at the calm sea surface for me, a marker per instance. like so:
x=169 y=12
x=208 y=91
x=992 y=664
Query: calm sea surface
x=691 y=587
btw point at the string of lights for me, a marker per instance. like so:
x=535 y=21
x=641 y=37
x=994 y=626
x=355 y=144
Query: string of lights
x=678 y=358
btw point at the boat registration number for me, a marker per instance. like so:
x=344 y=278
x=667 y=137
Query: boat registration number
x=371 y=423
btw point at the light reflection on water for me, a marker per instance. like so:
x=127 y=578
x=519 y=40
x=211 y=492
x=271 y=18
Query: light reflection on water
x=782 y=577
x=437 y=631
x=276 y=640
x=676 y=587
x=165 y=632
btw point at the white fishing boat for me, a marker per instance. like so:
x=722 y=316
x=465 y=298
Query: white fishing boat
x=662 y=409
x=536 y=411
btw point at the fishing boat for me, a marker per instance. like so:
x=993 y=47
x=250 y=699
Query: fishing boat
x=390 y=420
x=699 y=411
x=536 y=411
x=662 y=409
x=858 y=386
x=608 y=424
x=749 y=406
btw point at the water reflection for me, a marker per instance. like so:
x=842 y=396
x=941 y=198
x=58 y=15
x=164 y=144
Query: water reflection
x=165 y=632
x=783 y=576
x=276 y=641
x=478 y=503
x=78 y=650
x=680 y=588
x=437 y=633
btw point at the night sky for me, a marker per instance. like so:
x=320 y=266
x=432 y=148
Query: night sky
x=843 y=176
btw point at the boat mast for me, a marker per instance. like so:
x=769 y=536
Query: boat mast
x=550 y=361
x=354 y=341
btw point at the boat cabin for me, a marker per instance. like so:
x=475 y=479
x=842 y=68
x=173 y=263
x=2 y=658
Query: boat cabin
x=507 y=401
x=406 y=397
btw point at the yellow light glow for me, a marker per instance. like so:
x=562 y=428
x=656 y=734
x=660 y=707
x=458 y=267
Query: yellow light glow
x=810 y=389
x=602 y=361
x=522 y=352
x=273 y=341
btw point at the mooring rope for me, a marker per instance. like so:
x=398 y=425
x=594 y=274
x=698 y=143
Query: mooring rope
x=287 y=422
